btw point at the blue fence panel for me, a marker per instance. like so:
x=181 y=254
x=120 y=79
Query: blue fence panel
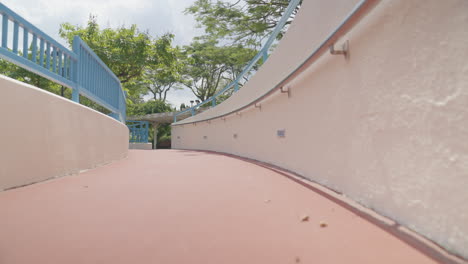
x=262 y=54
x=81 y=69
x=96 y=81
x=138 y=131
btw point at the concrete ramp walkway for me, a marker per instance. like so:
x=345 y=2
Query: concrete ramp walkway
x=187 y=207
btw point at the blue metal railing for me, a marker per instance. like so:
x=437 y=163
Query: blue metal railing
x=262 y=54
x=80 y=69
x=138 y=131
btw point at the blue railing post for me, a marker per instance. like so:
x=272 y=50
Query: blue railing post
x=265 y=55
x=213 y=102
x=25 y=44
x=15 y=37
x=236 y=86
x=5 y=32
x=192 y=111
x=76 y=71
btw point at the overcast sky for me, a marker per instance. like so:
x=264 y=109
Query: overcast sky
x=156 y=16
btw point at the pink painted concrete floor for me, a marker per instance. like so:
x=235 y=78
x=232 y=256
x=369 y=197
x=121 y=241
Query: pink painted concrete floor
x=171 y=206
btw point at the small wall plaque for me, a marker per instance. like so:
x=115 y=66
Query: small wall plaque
x=281 y=133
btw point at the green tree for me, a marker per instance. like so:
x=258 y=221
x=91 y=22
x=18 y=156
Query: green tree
x=149 y=107
x=126 y=51
x=246 y=22
x=208 y=67
x=160 y=78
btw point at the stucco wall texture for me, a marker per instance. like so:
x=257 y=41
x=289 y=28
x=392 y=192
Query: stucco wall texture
x=388 y=127
x=44 y=136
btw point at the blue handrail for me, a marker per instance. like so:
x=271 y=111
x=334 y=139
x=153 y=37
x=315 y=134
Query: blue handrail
x=262 y=54
x=80 y=69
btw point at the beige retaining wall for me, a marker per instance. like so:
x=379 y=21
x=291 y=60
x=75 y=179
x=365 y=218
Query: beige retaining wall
x=44 y=136
x=388 y=128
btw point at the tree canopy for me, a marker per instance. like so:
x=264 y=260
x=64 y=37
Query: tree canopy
x=161 y=77
x=128 y=52
x=208 y=67
x=245 y=22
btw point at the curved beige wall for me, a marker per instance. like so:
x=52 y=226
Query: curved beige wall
x=388 y=128
x=44 y=136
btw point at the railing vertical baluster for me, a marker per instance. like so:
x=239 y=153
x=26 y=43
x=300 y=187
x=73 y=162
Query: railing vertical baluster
x=94 y=74
x=82 y=65
x=4 y=31
x=116 y=98
x=48 y=56
x=65 y=66
x=25 y=42
x=60 y=66
x=107 y=94
x=41 y=53
x=69 y=68
x=104 y=88
x=15 y=37
x=109 y=87
x=112 y=94
x=101 y=78
x=54 y=59
x=97 y=75
x=34 y=49
x=88 y=70
x=72 y=70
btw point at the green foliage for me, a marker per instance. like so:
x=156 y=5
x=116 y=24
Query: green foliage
x=126 y=51
x=246 y=22
x=163 y=76
x=149 y=107
x=87 y=102
x=208 y=67
x=164 y=141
